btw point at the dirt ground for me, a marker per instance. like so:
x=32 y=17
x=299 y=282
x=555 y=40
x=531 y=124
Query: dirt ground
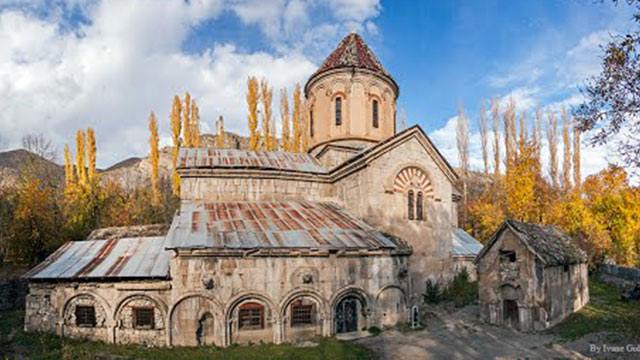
x=460 y=335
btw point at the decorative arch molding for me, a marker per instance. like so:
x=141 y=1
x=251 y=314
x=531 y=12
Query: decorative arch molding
x=407 y=176
x=99 y=299
x=104 y=311
x=349 y=291
x=218 y=306
x=248 y=296
x=162 y=307
x=306 y=292
x=391 y=286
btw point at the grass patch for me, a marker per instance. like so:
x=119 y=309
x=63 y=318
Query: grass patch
x=15 y=343
x=605 y=312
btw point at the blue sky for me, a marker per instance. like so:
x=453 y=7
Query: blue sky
x=68 y=64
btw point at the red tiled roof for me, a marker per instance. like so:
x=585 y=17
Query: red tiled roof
x=353 y=52
x=272 y=224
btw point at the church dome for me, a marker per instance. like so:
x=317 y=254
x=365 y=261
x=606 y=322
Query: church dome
x=352 y=53
x=351 y=99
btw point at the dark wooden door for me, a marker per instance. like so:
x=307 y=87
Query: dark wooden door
x=347 y=315
x=510 y=313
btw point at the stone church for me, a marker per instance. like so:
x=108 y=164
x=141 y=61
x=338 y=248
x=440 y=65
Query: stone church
x=274 y=246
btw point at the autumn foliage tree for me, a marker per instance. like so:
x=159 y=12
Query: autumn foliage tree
x=253 y=97
x=284 y=116
x=176 y=129
x=266 y=97
x=296 y=120
x=154 y=157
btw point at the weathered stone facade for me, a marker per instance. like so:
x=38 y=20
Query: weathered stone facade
x=524 y=290
x=271 y=246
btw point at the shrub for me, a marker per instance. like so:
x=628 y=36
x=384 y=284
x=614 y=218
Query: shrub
x=432 y=293
x=461 y=290
x=375 y=331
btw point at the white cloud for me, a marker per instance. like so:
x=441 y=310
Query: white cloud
x=128 y=60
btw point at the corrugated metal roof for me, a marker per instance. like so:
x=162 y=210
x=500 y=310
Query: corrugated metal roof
x=288 y=224
x=142 y=257
x=464 y=244
x=234 y=158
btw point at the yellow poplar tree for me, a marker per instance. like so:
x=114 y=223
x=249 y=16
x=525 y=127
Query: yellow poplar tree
x=176 y=128
x=195 y=125
x=187 y=126
x=295 y=120
x=154 y=156
x=91 y=155
x=253 y=96
x=81 y=167
x=577 y=176
x=69 y=176
x=566 y=151
x=284 y=115
x=304 y=128
x=266 y=96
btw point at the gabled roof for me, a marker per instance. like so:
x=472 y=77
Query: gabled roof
x=396 y=140
x=352 y=52
x=124 y=258
x=274 y=225
x=204 y=158
x=464 y=244
x=550 y=245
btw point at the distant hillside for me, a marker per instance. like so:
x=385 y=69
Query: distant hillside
x=13 y=161
x=134 y=172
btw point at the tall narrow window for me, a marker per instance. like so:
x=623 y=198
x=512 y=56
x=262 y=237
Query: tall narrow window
x=311 y=123
x=419 y=215
x=338 y=111
x=375 y=114
x=410 y=205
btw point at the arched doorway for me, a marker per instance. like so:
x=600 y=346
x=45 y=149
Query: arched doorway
x=348 y=314
x=193 y=323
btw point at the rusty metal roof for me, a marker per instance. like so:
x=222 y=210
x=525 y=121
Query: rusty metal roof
x=141 y=257
x=242 y=159
x=264 y=224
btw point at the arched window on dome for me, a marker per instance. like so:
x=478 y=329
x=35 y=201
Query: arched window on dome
x=374 y=114
x=410 y=204
x=338 y=111
x=419 y=202
x=310 y=123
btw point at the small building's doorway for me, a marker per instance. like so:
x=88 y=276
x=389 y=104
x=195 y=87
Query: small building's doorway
x=510 y=314
x=347 y=315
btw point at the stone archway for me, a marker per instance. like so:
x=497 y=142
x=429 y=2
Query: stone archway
x=391 y=306
x=192 y=322
x=348 y=314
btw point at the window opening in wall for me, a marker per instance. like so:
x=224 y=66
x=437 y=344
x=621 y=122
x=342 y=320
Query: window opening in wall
x=565 y=267
x=85 y=316
x=375 y=114
x=338 y=111
x=302 y=314
x=311 y=123
x=419 y=214
x=143 y=318
x=410 y=205
x=507 y=256
x=251 y=316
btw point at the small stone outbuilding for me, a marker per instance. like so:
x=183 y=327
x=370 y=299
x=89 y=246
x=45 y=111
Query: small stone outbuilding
x=531 y=277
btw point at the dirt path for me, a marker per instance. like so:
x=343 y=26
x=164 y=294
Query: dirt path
x=461 y=336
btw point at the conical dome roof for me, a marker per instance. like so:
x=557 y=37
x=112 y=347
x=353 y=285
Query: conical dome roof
x=352 y=52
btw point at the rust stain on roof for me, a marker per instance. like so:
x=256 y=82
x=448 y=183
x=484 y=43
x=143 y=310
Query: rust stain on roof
x=273 y=224
x=234 y=158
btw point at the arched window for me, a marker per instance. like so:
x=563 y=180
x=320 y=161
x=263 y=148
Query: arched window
x=375 y=114
x=251 y=316
x=410 y=205
x=302 y=313
x=311 y=123
x=419 y=215
x=338 y=111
